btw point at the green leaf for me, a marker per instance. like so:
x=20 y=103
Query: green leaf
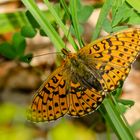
x=19 y=44
x=84 y=12
x=126 y=102
x=119 y=28
x=123 y=13
x=7 y=51
x=42 y=33
x=107 y=26
x=136 y=126
x=80 y=28
x=28 y=31
x=122 y=108
x=32 y=20
x=118 y=92
x=116 y=5
x=135 y=4
x=123 y=105
x=26 y=58
x=134 y=19
x=15 y=49
x=44 y=24
x=46 y=14
x=10 y=22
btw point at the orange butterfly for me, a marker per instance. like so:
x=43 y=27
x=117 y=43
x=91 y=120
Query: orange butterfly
x=80 y=84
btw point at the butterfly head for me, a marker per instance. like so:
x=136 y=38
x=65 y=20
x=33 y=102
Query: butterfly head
x=72 y=57
x=65 y=52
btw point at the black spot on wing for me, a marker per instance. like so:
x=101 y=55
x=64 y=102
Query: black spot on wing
x=55 y=80
x=62 y=85
x=96 y=47
x=109 y=42
x=46 y=90
x=99 y=55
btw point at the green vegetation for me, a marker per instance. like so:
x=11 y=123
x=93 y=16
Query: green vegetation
x=123 y=14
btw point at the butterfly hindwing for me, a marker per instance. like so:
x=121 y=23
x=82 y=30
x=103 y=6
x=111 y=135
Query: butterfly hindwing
x=50 y=101
x=83 y=100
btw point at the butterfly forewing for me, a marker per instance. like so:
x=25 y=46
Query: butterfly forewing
x=113 y=55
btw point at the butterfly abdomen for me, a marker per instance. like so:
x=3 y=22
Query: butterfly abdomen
x=90 y=81
x=84 y=75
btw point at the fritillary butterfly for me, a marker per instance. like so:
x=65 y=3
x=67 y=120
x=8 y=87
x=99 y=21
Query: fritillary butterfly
x=80 y=84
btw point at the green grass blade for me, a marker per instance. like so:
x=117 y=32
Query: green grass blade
x=119 y=113
x=60 y=23
x=121 y=128
x=44 y=23
x=74 y=18
x=103 y=14
x=63 y=3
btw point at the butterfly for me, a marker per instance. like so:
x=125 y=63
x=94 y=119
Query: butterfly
x=80 y=84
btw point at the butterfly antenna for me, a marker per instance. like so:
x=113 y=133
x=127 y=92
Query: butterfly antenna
x=47 y=54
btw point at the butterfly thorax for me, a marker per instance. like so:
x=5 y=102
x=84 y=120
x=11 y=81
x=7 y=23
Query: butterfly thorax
x=80 y=72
